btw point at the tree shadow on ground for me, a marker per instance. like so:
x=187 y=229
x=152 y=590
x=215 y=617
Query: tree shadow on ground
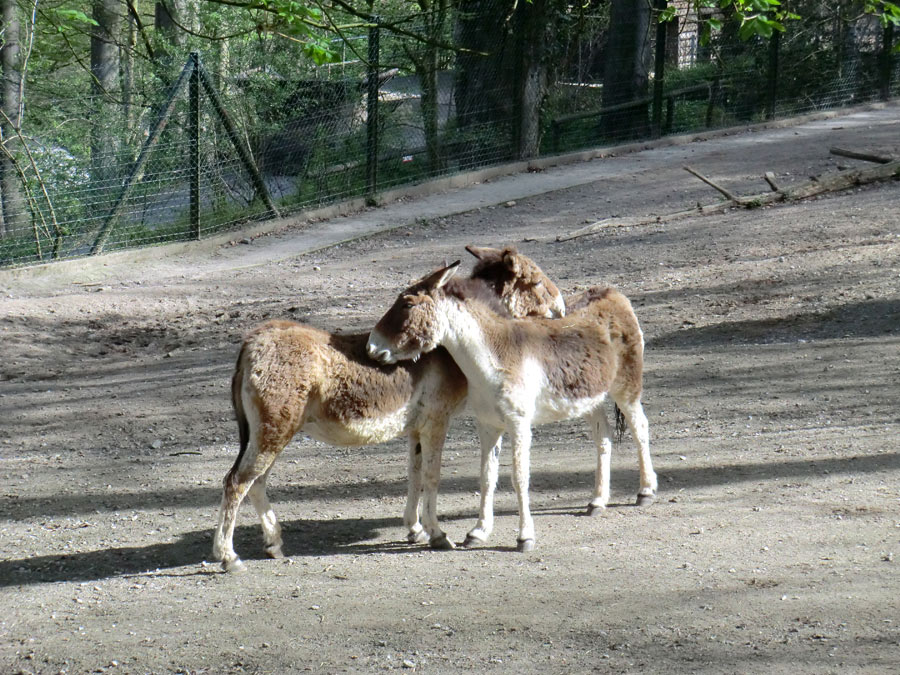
x=308 y=537
x=875 y=318
x=541 y=481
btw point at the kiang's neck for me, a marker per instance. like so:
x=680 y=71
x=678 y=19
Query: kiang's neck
x=465 y=337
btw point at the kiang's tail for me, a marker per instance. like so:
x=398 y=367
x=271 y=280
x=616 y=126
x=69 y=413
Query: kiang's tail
x=620 y=424
x=237 y=402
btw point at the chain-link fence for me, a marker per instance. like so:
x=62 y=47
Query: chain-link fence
x=254 y=129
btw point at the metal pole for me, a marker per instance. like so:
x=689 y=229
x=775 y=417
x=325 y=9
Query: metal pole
x=243 y=152
x=659 y=70
x=137 y=170
x=194 y=147
x=372 y=111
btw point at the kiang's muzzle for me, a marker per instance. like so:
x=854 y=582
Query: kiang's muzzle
x=377 y=351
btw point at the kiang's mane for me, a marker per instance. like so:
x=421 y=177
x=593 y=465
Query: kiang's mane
x=494 y=272
x=478 y=290
x=587 y=297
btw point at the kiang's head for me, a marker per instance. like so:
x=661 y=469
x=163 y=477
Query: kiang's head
x=519 y=282
x=413 y=325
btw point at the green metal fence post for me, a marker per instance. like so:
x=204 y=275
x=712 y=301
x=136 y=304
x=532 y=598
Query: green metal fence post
x=372 y=111
x=137 y=170
x=240 y=147
x=194 y=144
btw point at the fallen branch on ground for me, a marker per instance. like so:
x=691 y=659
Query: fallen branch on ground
x=716 y=186
x=827 y=183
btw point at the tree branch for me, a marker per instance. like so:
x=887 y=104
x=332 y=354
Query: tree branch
x=840 y=180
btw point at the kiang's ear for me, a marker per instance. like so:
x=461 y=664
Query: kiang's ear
x=482 y=252
x=442 y=276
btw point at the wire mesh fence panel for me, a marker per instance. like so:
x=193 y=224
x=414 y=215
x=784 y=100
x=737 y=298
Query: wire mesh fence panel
x=431 y=89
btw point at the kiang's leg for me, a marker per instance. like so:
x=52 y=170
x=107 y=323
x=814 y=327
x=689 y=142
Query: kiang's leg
x=520 y=439
x=270 y=527
x=639 y=427
x=432 y=442
x=490 y=440
x=600 y=430
x=415 y=532
x=253 y=464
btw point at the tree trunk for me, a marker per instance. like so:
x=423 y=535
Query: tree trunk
x=673 y=43
x=427 y=65
x=128 y=110
x=625 y=76
x=165 y=16
x=430 y=113
x=537 y=33
x=12 y=213
x=848 y=48
x=484 y=72
x=104 y=86
x=505 y=74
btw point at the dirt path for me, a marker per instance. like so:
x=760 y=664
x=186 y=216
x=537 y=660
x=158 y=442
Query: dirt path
x=773 y=362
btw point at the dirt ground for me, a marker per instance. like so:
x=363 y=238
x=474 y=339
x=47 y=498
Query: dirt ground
x=772 y=385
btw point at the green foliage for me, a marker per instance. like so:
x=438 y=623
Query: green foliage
x=477 y=144
x=700 y=73
x=691 y=116
x=758 y=18
x=887 y=12
x=68 y=20
x=292 y=73
x=303 y=21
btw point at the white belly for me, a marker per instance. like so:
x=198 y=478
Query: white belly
x=556 y=409
x=359 y=431
x=530 y=398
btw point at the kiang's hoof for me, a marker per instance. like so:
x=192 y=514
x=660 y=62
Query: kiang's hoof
x=274 y=552
x=594 y=509
x=235 y=566
x=441 y=543
x=645 y=500
x=525 y=545
x=472 y=541
x=420 y=537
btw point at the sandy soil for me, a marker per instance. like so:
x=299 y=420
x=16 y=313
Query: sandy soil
x=773 y=362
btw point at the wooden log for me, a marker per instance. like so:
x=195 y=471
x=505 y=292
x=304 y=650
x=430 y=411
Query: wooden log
x=843 y=180
x=865 y=156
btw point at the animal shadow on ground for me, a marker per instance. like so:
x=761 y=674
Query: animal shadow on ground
x=304 y=537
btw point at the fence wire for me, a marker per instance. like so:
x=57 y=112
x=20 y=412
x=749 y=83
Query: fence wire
x=458 y=87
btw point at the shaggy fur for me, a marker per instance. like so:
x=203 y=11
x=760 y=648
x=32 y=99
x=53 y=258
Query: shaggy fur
x=523 y=373
x=507 y=272
x=290 y=377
